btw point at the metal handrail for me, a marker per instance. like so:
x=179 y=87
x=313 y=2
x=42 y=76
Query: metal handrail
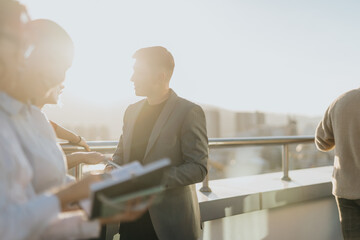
x=271 y=140
x=98 y=146
x=108 y=147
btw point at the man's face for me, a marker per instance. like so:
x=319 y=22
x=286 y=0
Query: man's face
x=145 y=79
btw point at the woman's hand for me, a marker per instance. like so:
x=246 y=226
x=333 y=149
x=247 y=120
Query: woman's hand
x=92 y=157
x=77 y=191
x=76 y=158
x=84 y=144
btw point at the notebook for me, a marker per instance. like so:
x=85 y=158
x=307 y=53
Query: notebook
x=131 y=181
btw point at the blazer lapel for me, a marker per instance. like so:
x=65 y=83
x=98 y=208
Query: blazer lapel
x=130 y=129
x=164 y=115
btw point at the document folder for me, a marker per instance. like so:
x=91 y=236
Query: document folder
x=110 y=196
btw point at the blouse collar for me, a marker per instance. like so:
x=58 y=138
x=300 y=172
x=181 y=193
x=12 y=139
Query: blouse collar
x=11 y=105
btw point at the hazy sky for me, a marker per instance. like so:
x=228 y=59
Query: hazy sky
x=275 y=56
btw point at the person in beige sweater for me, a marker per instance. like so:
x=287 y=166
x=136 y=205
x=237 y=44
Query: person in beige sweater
x=340 y=130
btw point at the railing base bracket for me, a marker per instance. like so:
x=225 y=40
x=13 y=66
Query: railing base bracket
x=286 y=179
x=205 y=189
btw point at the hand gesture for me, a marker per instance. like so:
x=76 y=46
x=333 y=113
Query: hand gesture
x=93 y=157
x=77 y=191
x=84 y=144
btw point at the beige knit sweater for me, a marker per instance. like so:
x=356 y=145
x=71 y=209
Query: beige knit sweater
x=340 y=128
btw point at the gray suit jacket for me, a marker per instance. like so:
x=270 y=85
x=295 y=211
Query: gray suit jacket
x=180 y=135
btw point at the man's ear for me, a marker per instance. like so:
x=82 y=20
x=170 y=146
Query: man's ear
x=163 y=77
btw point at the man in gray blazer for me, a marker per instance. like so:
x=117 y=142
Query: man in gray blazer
x=164 y=125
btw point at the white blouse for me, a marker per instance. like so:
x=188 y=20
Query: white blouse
x=23 y=214
x=44 y=153
x=28 y=168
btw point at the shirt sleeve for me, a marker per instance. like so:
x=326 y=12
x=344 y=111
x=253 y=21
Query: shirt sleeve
x=324 y=135
x=18 y=221
x=118 y=156
x=72 y=225
x=22 y=213
x=194 y=147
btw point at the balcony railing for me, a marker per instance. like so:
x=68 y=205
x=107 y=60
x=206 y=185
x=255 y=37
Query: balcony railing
x=109 y=147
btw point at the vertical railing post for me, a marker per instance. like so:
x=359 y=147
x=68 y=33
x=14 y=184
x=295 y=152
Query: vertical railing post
x=78 y=172
x=205 y=184
x=285 y=162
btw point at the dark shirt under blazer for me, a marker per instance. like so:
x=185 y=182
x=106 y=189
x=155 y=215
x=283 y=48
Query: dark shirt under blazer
x=180 y=135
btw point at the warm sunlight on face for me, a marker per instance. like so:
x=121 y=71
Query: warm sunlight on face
x=144 y=78
x=44 y=75
x=54 y=94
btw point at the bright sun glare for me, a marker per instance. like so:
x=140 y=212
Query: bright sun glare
x=242 y=55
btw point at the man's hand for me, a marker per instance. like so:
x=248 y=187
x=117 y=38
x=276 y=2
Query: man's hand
x=109 y=168
x=111 y=165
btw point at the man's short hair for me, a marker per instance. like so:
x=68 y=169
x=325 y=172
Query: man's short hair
x=157 y=57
